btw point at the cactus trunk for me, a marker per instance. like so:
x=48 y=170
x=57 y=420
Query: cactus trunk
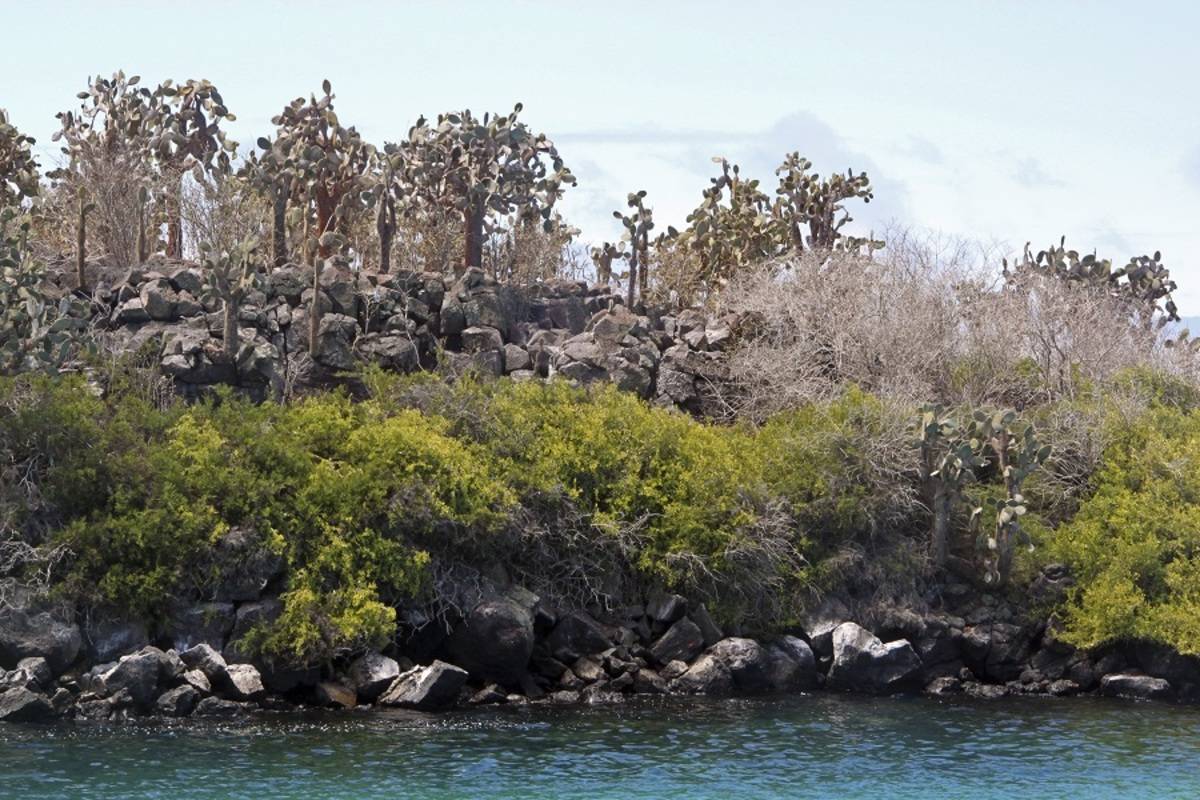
x=81 y=245
x=141 y=237
x=230 y=331
x=279 y=240
x=314 y=311
x=473 y=247
x=326 y=205
x=633 y=277
x=385 y=225
x=175 y=220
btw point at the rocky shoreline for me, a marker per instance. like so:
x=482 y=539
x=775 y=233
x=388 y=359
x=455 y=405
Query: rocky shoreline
x=512 y=648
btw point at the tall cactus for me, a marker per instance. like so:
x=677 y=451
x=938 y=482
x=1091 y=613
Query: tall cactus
x=325 y=162
x=1017 y=453
x=948 y=462
x=229 y=276
x=638 y=225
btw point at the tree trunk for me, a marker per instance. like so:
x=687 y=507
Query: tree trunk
x=473 y=248
x=141 y=237
x=279 y=240
x=230 y=332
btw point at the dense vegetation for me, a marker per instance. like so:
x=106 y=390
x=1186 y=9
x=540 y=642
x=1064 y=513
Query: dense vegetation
x=898 y=414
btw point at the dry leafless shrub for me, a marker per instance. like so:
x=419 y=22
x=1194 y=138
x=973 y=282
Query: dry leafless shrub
x=919 y=323
x=220 y=214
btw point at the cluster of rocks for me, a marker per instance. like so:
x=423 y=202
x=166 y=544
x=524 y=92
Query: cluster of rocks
x=514 y=648
x=409 y=321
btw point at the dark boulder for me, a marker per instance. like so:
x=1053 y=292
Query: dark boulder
x=24 y=634
x=1135 y=686
x=683 y=641
x=791 y=665
x=494 y=642
x=23 y=705
x=577 y=634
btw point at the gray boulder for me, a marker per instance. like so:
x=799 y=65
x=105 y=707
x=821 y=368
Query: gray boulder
x=748 y=663
x=177 y=702
x=371 y=674
x=683 y=641
x=24 y=634
x=245 y=682
x=36 y=669
x=23 y=705
x=494 y=642
x=861 y=662
x=821 y=623
x=426 y=688
x=708 y=675
x=138 y=674
x=204 y=659
x=1135 y=686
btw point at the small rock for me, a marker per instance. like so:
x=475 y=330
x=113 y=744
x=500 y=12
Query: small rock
x=331 y=693
x=647 y=681
x=673 y=670
x=216 y=707
x=491 y=694
x=945 y=685
x=1063 y=688
x=588 y=669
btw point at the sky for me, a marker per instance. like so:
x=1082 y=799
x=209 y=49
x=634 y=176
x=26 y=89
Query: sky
x=998 y=122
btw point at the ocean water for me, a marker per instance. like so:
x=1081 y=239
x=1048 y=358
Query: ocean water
x=818 y=746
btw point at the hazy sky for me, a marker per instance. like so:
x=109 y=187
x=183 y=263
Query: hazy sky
x=1001 y=121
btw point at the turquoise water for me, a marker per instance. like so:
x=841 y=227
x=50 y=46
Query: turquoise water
x=812 y=747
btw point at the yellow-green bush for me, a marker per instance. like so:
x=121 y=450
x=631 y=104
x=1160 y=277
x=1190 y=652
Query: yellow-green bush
x=1134 y=545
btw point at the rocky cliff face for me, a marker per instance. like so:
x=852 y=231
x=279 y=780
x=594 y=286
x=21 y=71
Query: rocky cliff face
x=405 y=322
